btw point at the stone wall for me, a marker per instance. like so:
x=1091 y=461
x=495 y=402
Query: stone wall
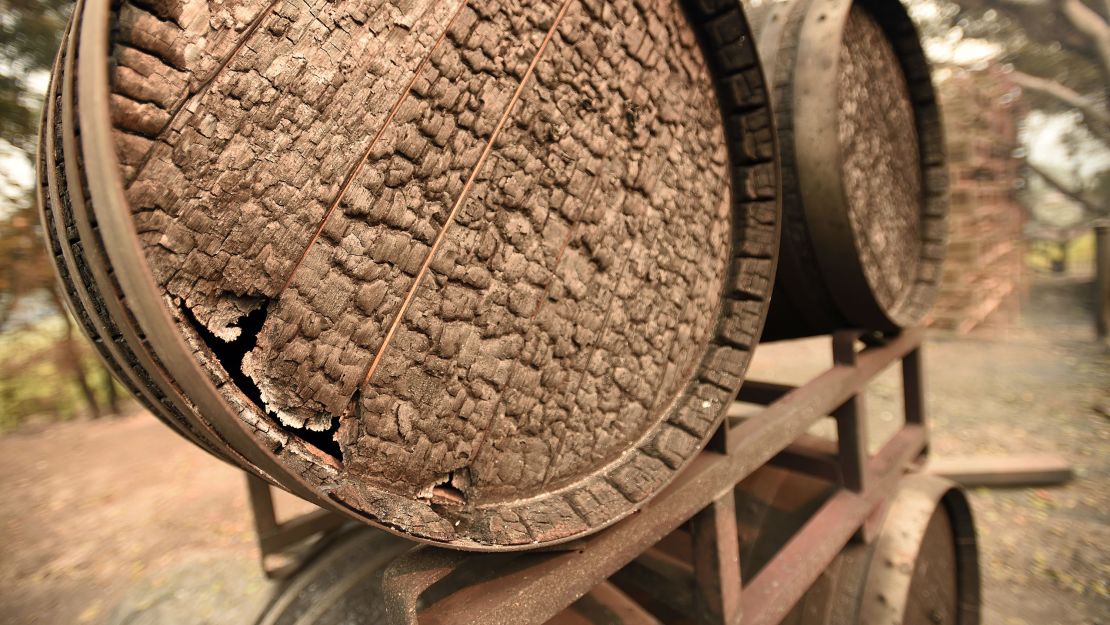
x=985 y=271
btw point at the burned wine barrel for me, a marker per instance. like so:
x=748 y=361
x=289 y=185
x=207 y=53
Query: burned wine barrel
x=485 y=274
x=864 y=184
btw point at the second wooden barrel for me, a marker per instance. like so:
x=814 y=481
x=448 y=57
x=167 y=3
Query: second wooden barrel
x=864 y=183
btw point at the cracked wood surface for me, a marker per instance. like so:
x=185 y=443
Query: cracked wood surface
x=575 y=289
x=484 y=272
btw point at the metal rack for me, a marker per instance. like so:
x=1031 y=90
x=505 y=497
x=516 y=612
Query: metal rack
x=532 y=587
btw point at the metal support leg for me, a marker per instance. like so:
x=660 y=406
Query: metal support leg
x=913 y=387
x=851 y=428
x=276 y=540
x=262 y=507
x=717 y=563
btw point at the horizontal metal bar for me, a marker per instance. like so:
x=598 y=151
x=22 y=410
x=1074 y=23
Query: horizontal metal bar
x=615 y=604
x=784 y=421
x=655 y=569
x=298 y=529
x=763 y=393
x=813 y=456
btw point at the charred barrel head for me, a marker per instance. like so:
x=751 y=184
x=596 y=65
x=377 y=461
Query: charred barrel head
x=486 y=274
x=864 y=184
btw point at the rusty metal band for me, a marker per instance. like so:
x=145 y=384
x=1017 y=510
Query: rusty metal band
x=78 y=295
x=71 y=237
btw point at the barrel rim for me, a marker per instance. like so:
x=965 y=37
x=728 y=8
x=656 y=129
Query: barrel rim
x=121 y=243
x=61 y=136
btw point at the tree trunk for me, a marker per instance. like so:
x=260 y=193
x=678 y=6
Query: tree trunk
x=1102 y=282
x=1060 y=262
x=111 y=394
x=72 y=356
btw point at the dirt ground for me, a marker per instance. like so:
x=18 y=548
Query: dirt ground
x=119 y=521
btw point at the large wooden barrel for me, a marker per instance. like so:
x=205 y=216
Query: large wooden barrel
x=864 y=184
x=485 y=274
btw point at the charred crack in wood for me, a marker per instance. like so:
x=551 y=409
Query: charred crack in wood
x=447 y=495
x=324 y=440
x=230 y=355
x=449 y=491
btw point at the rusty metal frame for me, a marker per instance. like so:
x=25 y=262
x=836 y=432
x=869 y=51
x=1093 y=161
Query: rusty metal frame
x=278 y=540
x=433 y=586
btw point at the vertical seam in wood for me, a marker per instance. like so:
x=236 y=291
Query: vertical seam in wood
x=464 y=195
x=349 y=179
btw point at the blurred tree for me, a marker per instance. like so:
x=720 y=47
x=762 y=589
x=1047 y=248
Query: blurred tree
x=1060 y=53
x=29 y=35
x=25 y=269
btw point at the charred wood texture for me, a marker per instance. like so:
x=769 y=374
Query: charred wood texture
x=483 y=273
x=864 y=184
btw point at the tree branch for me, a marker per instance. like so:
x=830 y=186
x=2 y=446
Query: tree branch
x=1040 y=20
x=1089 y=22
x=1089 y=205
x=1097 y=117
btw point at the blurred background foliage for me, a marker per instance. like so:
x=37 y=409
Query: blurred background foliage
x=1057 y=51
x=47 y=368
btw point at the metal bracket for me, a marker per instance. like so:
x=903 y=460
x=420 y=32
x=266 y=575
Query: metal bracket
x=278 y=541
